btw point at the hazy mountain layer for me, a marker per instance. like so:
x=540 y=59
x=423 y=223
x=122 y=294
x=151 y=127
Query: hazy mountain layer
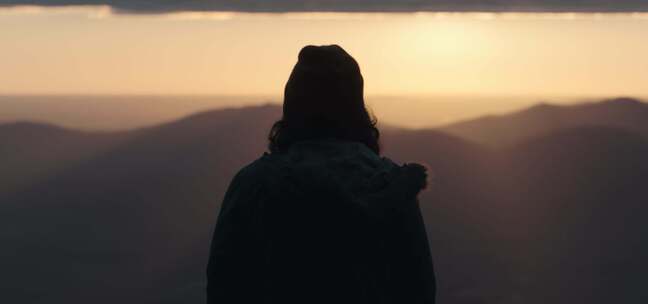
x=554 y=215
x=625 y=113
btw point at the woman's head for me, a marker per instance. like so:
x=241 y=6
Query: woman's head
x=323 y=99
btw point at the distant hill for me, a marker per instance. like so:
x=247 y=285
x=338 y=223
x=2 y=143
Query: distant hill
x=91 y=228
x=126 y=217
x=625 y=113
x=580 y=208
x=30 y=152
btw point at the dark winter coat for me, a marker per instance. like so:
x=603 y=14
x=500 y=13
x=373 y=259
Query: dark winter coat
x=328 y=221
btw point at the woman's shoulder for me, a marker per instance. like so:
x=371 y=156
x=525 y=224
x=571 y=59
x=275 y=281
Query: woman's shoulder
x=259 y=171
x=252 y=181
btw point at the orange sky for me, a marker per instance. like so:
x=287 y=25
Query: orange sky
x=90 y=51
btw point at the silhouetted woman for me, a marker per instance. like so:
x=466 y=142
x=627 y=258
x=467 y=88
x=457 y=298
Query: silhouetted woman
x=322 y=217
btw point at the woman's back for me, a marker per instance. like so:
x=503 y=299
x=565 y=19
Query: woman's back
x=328 y=221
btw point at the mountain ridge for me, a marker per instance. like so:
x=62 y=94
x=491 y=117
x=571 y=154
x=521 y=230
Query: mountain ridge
x=503 y=130
x=130 y=214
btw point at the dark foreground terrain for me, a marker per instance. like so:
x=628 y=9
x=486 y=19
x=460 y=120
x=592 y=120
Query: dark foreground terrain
x=546 y=205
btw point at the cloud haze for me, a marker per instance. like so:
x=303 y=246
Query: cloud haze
x=281 y=6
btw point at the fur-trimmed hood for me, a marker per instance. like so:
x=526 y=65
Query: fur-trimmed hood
x=348 y=168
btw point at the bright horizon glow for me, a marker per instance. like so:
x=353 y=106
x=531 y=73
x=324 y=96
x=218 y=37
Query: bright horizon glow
x=92 y=50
